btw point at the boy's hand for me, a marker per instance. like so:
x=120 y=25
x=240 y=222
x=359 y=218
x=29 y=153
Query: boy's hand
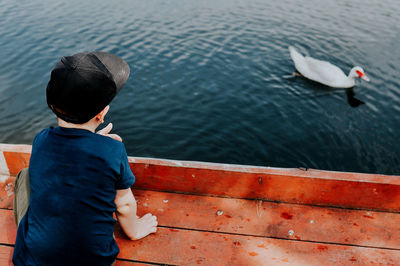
x=107 y=130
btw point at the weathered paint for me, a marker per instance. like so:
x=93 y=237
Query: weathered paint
x=188 y=247
x=6 y=184
x=4 y=172
x=291 y=188
x=286 y=221
x=6 y=255
x=239 y=216
x=325 y=188
x=8 y=229
x=301 y=172
x=16 y=161
x=240 y=227
x=7 y=193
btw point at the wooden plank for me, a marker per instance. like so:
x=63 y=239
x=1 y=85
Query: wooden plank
x=20 y=148
x=363 y=191
x=176 y=246
x=273 y=187
x=258 y=218
x=186 y=247
x=16 y=161
x=301 y=172
x=25 y=150
x=6 y=255
x=7 y=192
x=8 y=228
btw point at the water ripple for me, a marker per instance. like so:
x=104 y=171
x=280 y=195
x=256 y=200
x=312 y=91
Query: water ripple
x=211 y=80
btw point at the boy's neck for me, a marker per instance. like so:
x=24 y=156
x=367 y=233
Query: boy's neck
x=90 y=125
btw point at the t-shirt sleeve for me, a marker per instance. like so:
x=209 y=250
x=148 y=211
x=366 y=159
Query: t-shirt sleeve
x=127 y=178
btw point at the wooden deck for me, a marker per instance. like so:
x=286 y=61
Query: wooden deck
x=217 y=214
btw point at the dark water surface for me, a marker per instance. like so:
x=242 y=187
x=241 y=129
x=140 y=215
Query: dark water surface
x=211 y=80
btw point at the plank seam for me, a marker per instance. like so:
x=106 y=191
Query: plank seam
x=280 y=238
x=267 y=200
x=136 y=261
x=146 y=262
x=6 y=245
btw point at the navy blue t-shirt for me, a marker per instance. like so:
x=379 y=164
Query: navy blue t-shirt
x=74 y=175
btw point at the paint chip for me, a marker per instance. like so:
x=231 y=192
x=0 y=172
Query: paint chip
x=311 y=221
x=4 y=172
x=219 y=212
x=9 y=189
x=291 y=232
x=3 y=178
x=165 y=201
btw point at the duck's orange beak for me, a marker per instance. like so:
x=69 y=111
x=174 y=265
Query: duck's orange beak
x=362 y=75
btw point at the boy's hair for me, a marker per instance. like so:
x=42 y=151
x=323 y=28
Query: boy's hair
x=83 y=84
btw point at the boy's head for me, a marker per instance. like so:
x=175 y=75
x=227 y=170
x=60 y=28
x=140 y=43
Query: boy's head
x=82 y=85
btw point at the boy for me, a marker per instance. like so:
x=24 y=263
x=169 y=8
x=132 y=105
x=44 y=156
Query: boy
x=78 y=178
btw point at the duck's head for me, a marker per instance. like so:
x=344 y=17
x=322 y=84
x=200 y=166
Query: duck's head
x=358 y=72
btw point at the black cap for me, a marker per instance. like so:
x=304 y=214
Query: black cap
x=83 y=84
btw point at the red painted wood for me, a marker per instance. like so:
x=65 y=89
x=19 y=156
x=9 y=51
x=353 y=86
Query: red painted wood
x=273 y=187
x=7 y=193
x=186 y=247
x=6 y=255
x=8 y=228
x=16 y=161
x=325 y=188
x=241 y=218
x=176 y=246
x=301 y=172
x=249 y=217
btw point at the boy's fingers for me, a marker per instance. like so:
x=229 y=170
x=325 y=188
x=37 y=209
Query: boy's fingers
x=114 y=136
x=105 y=130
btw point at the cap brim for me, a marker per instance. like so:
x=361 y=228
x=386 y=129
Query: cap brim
x=117 y=67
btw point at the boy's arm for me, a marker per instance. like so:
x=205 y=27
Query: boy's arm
x=133 y=226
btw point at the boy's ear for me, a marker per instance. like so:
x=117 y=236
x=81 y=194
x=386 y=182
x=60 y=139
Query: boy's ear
x=100 y=116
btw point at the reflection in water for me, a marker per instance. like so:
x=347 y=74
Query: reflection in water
x=354 y=102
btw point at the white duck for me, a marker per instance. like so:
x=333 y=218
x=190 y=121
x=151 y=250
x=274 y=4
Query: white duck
x=324 y=72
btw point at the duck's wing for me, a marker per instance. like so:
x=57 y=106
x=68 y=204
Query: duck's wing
x=322 y=71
